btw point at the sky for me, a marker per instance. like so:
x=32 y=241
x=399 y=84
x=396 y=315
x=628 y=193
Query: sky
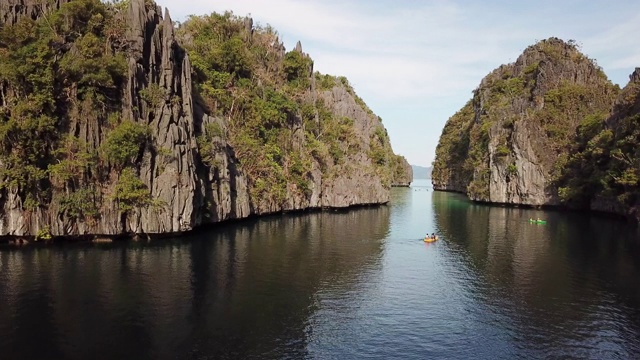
x=416 y=62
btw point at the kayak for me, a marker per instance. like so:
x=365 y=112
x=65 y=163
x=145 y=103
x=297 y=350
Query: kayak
x=428 y=239
x=537 y=221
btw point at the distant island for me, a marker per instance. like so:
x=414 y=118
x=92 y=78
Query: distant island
x=421 y=172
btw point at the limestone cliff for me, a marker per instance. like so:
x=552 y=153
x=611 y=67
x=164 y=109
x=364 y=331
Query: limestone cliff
x=510 y=143
x=113 y=129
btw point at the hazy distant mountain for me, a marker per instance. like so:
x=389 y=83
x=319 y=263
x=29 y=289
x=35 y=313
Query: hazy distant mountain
x=421 y=172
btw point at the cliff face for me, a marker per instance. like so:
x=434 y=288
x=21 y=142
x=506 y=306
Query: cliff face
x=403 y=173
x=510 y=143
x=123 y=142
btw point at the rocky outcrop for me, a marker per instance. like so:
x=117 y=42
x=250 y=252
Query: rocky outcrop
x=185 y=189
x=354 y=180
x=403 y=174
x=12 y=11
x=509 y=142
x=549 y=129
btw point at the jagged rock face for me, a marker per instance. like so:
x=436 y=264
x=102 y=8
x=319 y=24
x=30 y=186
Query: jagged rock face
x=12 y=11
x=189 y=192
x=355 y=182
x=506 y=144
x=153 y=58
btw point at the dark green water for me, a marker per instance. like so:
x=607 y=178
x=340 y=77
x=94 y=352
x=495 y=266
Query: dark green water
x=337 y=285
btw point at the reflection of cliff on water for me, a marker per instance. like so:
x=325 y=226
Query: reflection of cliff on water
x=548 y=277
x=235 y=291
x=270 y=272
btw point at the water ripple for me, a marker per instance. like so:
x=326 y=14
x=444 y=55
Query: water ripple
x=355 y=285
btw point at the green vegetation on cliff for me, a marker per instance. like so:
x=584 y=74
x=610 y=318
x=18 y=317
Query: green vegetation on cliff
x=268 y=97
x=241 y=76
x=603 y=166
x=57 y=71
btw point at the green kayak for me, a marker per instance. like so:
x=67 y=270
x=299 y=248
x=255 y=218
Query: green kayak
x=538 y=221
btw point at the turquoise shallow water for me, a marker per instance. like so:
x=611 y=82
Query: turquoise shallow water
x=337 y=285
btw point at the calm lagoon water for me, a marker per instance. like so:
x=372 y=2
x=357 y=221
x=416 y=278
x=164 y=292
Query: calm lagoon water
x=358 y=284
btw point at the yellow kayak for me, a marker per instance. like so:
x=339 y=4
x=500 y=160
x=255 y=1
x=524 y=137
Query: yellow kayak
x=430 y=239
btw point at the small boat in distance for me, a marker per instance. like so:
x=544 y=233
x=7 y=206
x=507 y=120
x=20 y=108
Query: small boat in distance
x=430 y=239
x=537 y=221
